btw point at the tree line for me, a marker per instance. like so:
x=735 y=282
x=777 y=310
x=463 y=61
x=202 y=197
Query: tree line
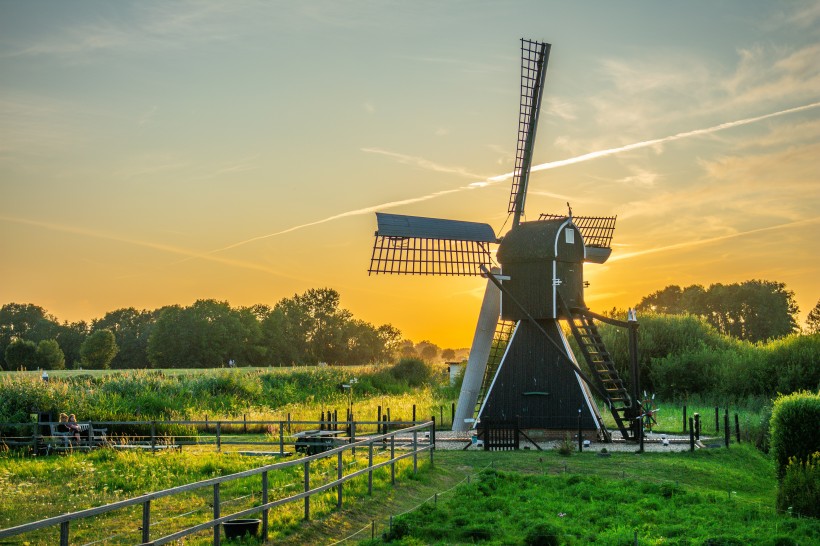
x=307 y=329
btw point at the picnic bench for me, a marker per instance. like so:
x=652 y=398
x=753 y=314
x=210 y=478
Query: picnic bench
x=311 y=442
x=90 y=437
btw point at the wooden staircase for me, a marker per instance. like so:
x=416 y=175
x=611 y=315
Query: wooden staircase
x=602 y=368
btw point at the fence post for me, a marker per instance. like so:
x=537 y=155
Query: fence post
x=218 y=527
x=339 y=478
x=370 y=465
x=64 y=533
x=737 y=427
x=153 y=435
x=640 y=432
x=414 y=413
x=266 y=511
x=281 y=438
x=415 y=451
x=393 y=459
x=697 y=426
x=378 y=418
x=717 y=419
x=432 y=440
x=353 y=433
x=245 y=423
x=289 y=430
x=726 y=431
x=691 y=434
x=307 y=488
x=218 y=436
x=452 y=414
x=146 y=521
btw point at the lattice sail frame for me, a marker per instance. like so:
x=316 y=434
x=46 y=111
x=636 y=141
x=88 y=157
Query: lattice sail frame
x=425 y=256
x=534 y=57
x=596 y=230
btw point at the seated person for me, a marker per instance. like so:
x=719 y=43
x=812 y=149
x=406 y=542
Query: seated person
x=73 y=426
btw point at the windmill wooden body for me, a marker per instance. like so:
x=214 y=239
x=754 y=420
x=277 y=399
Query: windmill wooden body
x=521 y=366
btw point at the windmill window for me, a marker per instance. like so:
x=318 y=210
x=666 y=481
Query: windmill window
x=569 y=236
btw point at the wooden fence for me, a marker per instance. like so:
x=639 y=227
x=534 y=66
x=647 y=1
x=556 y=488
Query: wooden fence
x=408 y=438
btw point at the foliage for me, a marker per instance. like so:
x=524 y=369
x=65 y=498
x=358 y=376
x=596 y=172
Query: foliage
x=98 y=350
x=813 y=320
x=794 y=431
x=682 y=355
x=21 y=354
x=413 y=371
x=131 y=329
x=754 y=310
x=49 y=355
x=799 y=491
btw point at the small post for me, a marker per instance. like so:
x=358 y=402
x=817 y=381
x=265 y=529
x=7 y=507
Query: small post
x=440 y=414
x=281 y=438
x=266 y=511
x=640 y=433
x=388 y=414
x=322 y=421
x=726 y=431
x=146 y=521
x=384 y=424
x=218 y=436
x=737 y=428
x=378 y=416
x=691 y=434
x=153 y=435
x=697 y=426
x=245 y=423
x=684 y=418
x=339 y=479
x=370 y=466
x=64 y=533
x=218 y=527
x=414 y=413
x=372 y=529
x=392 y=461
x=717 y=419
x=452 y=413
x=432 y=440
x=289 y=430
x=580 y=434
x=415 y=451
x=307 y=488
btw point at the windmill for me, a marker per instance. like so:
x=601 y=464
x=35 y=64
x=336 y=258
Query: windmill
x=521 y=366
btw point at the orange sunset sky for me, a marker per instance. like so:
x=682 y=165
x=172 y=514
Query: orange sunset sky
x=156 y=153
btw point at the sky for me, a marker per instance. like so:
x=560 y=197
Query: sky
x=156 y=153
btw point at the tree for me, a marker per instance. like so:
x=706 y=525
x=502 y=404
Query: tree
x=753 y=310
x=98 y=350
x=208 y=334
x=427 y=350
x=131 y=329
x=21 y=354
x=813 y=320
x=71 y=337
x=50 y=356
x=448 y=355
x=25 y=321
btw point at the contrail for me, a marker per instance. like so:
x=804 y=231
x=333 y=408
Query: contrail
x=146 y=244
x=500 y=178
x=690 y=244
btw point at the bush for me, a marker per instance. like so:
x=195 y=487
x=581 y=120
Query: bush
x=793 y=429
x=542 y=534
x=414 y=371
x=799 y=492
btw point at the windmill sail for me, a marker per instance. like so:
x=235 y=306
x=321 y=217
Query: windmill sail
x=414 y=245
x=534 y=57
x=597 y=232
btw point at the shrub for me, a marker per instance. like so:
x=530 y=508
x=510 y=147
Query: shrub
x=793 y=429
x=414 y=371
x=799 y=492
x=542 y=533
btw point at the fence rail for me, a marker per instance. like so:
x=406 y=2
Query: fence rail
x=418 y=446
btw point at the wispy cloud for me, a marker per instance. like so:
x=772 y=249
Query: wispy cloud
x=170 y=249
x=422 y=163
x=711 y=240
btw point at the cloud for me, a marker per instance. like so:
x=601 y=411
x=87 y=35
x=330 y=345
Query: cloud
x=422 y=163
